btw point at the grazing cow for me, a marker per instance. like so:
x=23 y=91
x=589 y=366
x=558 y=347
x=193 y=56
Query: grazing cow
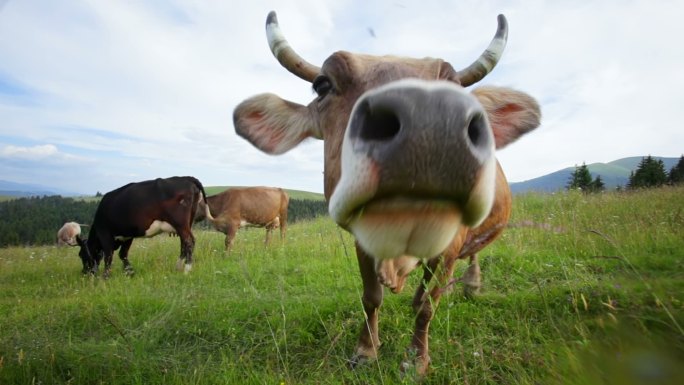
x=247 y=206
x=68 y=233
x=409 y=164
x=142 y=209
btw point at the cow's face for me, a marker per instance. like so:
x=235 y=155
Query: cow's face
x=409 y=153
x=87 y=253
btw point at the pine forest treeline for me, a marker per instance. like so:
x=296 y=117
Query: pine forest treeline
x=649 y=173
x=35 y=220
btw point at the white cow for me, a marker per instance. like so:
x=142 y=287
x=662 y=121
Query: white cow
x=68 y=233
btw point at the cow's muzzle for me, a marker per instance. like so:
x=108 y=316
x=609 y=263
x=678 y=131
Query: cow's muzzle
x=417 y=162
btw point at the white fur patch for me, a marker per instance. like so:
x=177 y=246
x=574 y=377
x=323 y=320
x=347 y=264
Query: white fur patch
x=481 y=196
x=391 y=229
x=159 y=227
x=358 y=183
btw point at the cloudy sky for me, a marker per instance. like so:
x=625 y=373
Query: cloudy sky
x=95 y=94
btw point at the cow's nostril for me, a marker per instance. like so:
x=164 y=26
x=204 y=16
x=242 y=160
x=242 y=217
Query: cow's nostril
x=379 y=123
x=476 y=129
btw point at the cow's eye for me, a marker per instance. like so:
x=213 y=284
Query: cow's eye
x=322 y=85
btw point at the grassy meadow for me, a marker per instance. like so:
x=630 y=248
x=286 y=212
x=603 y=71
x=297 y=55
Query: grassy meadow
x=580 y=290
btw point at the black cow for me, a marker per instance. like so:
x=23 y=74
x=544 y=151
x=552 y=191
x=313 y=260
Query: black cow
x=142 y=209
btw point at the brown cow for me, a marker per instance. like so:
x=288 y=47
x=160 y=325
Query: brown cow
x=409 y=164
x=247 y=206
x=68 y=233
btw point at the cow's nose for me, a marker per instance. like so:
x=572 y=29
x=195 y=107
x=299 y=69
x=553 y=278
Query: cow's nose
x=378 y=121
x=428 y=137
x=431 y=116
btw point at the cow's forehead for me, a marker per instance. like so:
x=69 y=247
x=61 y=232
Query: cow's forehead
x=376 y=70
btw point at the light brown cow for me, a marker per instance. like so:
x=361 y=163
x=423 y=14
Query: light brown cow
x=68 y=233
x=247 y=206
x=409 y=165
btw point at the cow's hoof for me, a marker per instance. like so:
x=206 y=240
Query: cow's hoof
x=107 y=273
x=187 y=268
x=128 y=270
x=415 y=368
x=359 y=360
x=471 y=291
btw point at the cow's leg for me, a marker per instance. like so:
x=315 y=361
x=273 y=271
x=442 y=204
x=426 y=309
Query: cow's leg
x=283 y=226
x=269 y=230
x=108 y=255
x=123 y=255
x=472 y=281
x=96 y=262
x=231 y=230
x=418 y=350
x=369 y=341
x=187 y=245
x=428 y=272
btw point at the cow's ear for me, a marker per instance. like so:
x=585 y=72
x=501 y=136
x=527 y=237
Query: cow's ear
x=511 y=113
x=272 y=124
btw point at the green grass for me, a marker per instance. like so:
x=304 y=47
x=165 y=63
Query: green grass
x=294 y=194
x=592 y=292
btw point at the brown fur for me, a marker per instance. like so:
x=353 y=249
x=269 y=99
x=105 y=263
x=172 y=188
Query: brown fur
x=257 y=206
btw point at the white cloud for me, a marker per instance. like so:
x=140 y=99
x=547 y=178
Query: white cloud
x=28 y=153
x=44 y=152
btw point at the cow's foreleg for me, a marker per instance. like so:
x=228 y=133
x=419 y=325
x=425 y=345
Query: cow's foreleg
x=428 y=272
x=269 y=230
x=418 y=350
x=96 y=262
x=108 y=255
x=231 y=230
x=187 y=245
x=369 y=341
x=472 y=281
x=123 y=255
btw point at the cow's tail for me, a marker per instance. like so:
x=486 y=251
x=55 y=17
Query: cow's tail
x=207 y=212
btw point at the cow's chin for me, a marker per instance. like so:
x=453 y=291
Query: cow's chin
x=391 y=228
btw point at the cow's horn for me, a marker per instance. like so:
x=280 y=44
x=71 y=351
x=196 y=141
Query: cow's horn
x=282 y=51
x=486 y=62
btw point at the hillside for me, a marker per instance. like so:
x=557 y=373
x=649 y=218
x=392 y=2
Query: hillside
x=294 y=194
x=613 y=174
x=13 y=189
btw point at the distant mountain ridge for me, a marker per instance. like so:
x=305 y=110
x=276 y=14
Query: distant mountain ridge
x=14 y=189
x=613 y=174
x=21 y=190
